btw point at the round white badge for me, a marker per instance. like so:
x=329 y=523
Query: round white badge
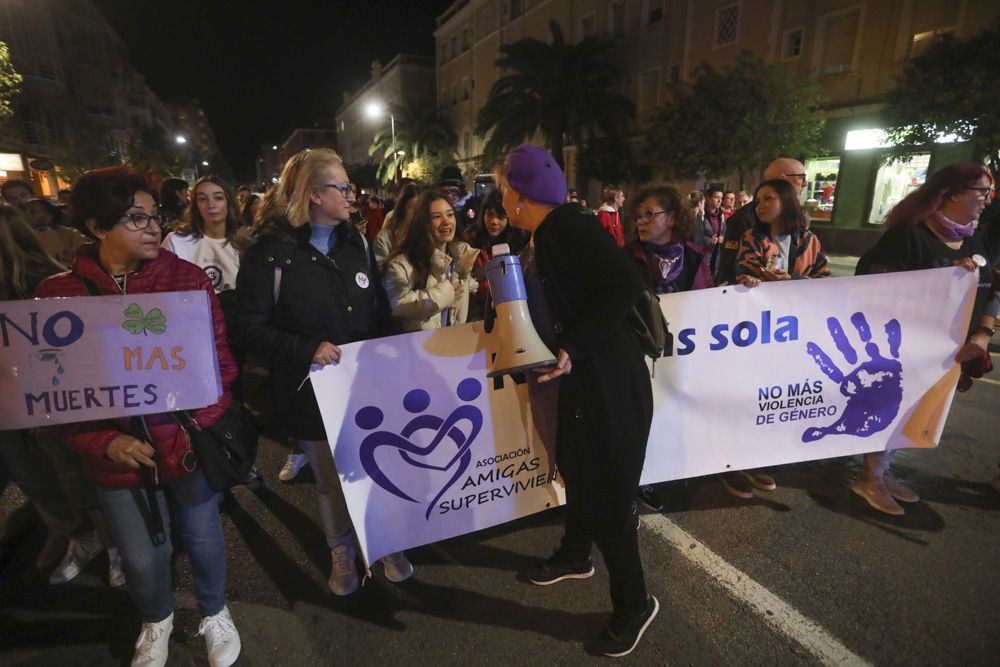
x=979 y=260
x=361 y=278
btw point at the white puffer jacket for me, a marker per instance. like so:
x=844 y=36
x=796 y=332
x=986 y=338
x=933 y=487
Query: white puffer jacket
x=416 y=309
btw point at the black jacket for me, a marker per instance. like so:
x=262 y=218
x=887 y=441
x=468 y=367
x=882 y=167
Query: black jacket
x=590 y=287
x=738 y=224
x=337 y=298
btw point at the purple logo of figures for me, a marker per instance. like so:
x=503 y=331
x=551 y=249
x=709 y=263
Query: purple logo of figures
x=874 y=389
x=458 y=430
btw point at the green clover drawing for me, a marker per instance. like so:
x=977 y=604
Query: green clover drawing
x=138 y=323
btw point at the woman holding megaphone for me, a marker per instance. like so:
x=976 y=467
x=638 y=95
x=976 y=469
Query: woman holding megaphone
x=581 y=288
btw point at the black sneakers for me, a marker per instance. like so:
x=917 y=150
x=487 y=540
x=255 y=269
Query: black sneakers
x=621 y=637
x=551 y=571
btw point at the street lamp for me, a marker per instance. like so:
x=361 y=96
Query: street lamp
x=374 y=110
x=181 y=139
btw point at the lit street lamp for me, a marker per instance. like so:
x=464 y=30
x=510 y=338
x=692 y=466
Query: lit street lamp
x=374 y=110
x=181 y=139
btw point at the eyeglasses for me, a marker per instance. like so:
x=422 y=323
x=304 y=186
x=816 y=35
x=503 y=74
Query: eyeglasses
x=137 y=222
x=648 y=215
x=343 y=188
x=982 y=192
x=801 y=177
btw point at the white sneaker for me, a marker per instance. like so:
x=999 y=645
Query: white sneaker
x=80 y=552
x=153 y=645
x=397 y=567
x=293 y=464
x=116 y=573
x=221 y=638
x=344 y=574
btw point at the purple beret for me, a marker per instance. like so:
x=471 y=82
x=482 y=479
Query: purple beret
x=533 y=172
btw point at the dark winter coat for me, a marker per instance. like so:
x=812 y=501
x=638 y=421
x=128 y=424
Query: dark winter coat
x=336 y=298
x=166 y=273
x=590 y=287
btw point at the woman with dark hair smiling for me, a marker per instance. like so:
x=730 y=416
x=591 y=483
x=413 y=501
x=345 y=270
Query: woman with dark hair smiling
x=934 y=226
x=428 y=277
x=120 y=213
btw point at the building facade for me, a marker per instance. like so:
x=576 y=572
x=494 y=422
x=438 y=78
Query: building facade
x=78 y=94
x=853 y=49
x=407 y=81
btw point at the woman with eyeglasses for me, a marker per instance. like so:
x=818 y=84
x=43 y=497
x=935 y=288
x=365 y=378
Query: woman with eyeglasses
x=119 y=212
x=931 y=227
x=428 y=278
x=667 y=261
x=308 y=285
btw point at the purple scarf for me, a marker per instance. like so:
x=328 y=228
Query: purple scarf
x=665 y=264
x=948 y=228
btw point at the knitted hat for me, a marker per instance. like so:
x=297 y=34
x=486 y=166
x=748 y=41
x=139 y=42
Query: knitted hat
x=451 y=176
x=533 y=172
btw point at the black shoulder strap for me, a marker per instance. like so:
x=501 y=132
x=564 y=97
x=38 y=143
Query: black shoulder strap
x=89 y=286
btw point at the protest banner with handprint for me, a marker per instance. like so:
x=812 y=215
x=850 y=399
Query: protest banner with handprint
x=429 y=448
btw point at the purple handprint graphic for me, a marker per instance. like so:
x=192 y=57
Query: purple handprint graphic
x=874 y=389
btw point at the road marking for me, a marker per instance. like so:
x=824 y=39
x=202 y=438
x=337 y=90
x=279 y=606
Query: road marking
x=988 y=380
x=826 y=648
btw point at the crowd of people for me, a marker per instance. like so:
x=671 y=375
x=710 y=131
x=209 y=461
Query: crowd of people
x=295 y=272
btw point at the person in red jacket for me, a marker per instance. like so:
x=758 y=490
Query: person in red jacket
x=610 y=214
x=120 y=213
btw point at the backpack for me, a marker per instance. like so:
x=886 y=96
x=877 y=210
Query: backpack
x=650 y=326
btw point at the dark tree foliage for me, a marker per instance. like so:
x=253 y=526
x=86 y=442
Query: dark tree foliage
x=951 y=88
x=735 y=121
x=558 y=90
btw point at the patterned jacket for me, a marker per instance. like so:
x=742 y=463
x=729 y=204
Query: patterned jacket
x=757 y=248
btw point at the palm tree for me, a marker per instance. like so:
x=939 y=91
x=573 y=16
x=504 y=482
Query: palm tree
x=561 y=90
x=420 y=133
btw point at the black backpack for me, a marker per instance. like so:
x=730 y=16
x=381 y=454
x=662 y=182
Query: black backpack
x=650 y=326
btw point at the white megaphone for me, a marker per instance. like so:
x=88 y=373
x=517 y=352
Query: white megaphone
x=519 y=348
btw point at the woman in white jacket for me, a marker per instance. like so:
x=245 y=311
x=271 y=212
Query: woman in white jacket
x=427 y=278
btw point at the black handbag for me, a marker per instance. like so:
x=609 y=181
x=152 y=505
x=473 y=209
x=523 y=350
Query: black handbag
x=227 y=449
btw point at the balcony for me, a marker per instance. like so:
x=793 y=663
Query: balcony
x=43 y=68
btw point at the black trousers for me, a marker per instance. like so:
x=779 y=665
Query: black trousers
x=601 y=472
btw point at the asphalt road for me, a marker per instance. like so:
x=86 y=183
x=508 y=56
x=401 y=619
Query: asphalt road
x=805 y=575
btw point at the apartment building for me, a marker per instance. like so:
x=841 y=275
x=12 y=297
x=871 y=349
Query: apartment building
x=406 y=81
x=78 y=89
x=853 y=49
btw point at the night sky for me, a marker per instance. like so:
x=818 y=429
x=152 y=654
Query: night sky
x=260 y=68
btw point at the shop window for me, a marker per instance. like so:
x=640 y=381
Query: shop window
x=895 y=181
x=727 y=25
x=821 y=187
x=839 y=39
x=791 y=44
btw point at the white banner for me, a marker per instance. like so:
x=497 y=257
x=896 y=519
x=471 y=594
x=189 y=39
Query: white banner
x=86 y=358
x=429 y=448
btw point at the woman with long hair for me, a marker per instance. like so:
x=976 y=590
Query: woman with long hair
x=780 y=246
x=934 y=226
x=119 y=212
x=208 y=236
x=58 y=240
x=392 y=232
x=248 y=210
x=491 y=228
x=309 y=284
x=604 y=405
x=49 y=475
x=428 y=277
